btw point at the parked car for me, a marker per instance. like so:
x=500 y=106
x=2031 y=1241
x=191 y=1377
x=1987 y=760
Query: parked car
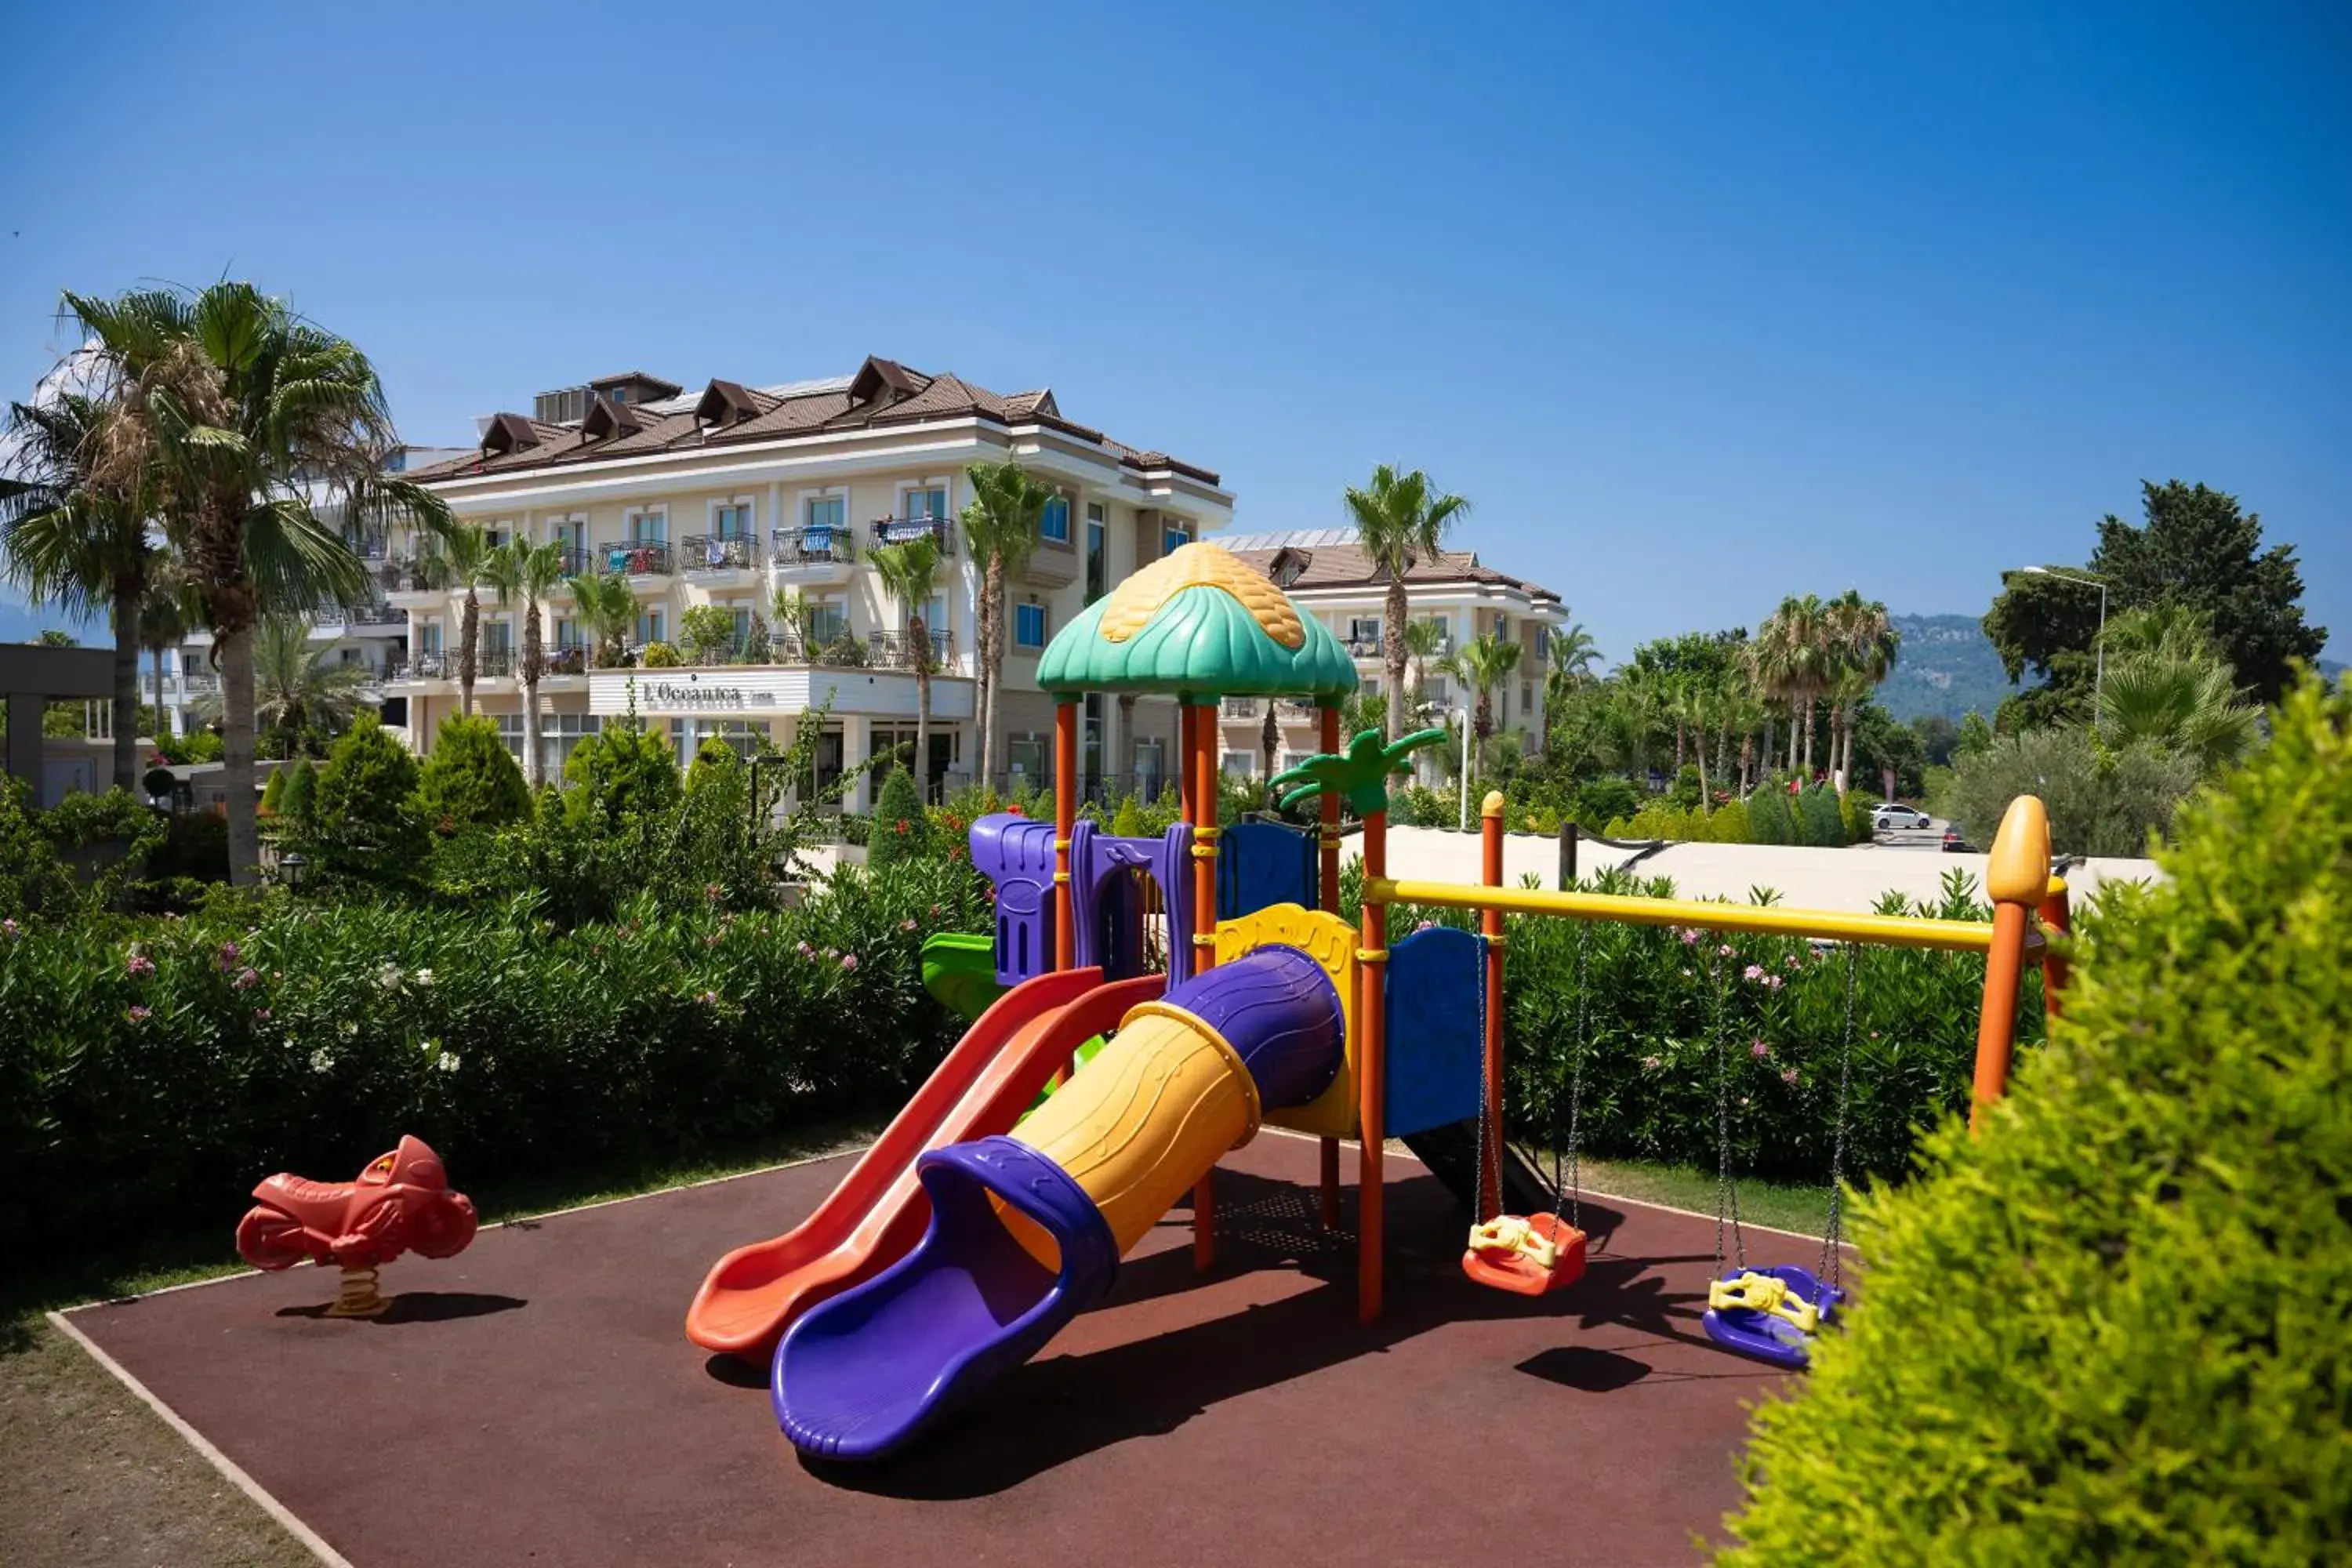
x=1956 y=844
x=1895 y=814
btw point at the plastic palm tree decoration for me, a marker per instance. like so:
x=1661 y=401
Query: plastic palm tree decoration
x=1358 y=775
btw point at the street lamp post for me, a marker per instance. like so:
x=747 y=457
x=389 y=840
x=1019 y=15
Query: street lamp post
x=2098 y=643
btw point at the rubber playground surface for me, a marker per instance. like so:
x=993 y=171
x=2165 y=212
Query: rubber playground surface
x=534 y=1399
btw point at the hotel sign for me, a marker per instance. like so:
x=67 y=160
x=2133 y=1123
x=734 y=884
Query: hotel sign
x=754 y=689
x=668 y=694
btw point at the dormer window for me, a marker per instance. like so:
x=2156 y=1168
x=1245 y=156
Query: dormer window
x=608 y=417
x=725 y=402
x=508 y=433
x=1289 y=565
x=883 y=380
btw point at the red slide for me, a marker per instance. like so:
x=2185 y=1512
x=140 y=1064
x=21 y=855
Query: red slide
x=879 y=1211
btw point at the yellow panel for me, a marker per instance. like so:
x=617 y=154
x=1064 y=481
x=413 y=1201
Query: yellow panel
x=1330 y=942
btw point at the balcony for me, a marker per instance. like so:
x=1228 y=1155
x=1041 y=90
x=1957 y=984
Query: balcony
x=1233 y=709
x=1053 y=564
x=720 y=553
x=636 y=557
x=567 y=658
x=199 y=684
x=906 y=530
x=577 y=561
x=411 y=574
x=368 y=546
x=489 y=664
x=365 y=619
x=816 y=557
x=1293 y=711
x=895 y=650
x=1364 y=647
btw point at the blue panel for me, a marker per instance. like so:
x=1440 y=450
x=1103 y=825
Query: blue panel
x=1261 y=864
x=1436 y=1028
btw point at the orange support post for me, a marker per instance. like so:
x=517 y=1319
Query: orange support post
x=2017 y=875
x=1066 y=818
x=1490 y=926
x=2057 y=919
x=1371 y=1067
x=1204 y=941
x=1327 y=891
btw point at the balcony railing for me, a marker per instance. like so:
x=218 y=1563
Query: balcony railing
x=895 y=650
x=1364 y=647
x=636 y=557
x=359 y=616
x=415 y=575
x=577 y=561
x=1239 y=708
x=567 y=658
x=198 y=684
x=1296 y=712
x=906 y=530
x=489 y=664
x=819 y=546
x=368 y=546
x=720 y=553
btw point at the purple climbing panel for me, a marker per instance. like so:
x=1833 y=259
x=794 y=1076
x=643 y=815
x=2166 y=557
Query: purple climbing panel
x=1107 y=908
x=1016 y=854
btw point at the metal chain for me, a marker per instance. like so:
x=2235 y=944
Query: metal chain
x=1478 y=1171
x=1834 y=1228
x=1576 y=1086
x=1726 y=1191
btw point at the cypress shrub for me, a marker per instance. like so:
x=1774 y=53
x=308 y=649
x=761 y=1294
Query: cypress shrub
x=1729 y=823
x=273 y=793
x=715 y=764
x=367 y=822
x=901 y=830
x=2112 y=1327
x=623 y=771
x=1818 y=822
x=1769 y=820
x=471 y=780
x=301 y=799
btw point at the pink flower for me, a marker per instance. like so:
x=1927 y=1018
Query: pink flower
x=9 y=928
x=805 y=949
x=708 y=999
x=935 y=909
x=1774 y=981
x=1424 y=925
x=713 y=892
x=1690 y=936
x=1874 y=1033
x=710 y=941
x=262 y=1015
x=1651 y=1064
x=1759 y=1050
x=140 y=1014
x=228 y=956
x=1723 y=951
x=1794 y=962
x=1753 y=972
x=907 y=924
x=140 y=966
x=1789 y=1076
x=247 y=979
x=848 y=960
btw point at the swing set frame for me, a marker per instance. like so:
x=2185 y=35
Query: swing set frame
x=2028 y=904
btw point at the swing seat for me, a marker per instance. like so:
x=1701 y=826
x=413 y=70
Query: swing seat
x=1776 y=1301
x=1528 y=1257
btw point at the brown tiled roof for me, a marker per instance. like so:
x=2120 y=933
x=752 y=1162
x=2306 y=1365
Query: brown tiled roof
x=883 y=392
x=1348 y=566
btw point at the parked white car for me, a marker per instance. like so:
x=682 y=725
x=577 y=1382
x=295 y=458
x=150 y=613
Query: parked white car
x=1895 y=814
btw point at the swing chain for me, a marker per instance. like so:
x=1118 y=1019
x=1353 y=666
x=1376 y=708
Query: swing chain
x=1478 y=1171
x=1834 y=1228
x=1576 y=1086
x=1726 y=1190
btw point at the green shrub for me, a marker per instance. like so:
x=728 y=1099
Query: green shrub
x=195 y=746
x=706 y=631
x=2112 y=1327
x=1819 y=823
x=712 y=759
x=471 y=780
x=1127 y=822
x=300 y=803
x=273 y=793
x=34 y=882
x=2099 y=805
x=661 y=656
x=1729 y=823
x=900 y=830
x=366 y=824
x=1684 y=793
x=624 y=770
x=1770 y=819
x=1854 y=814
x=1605 y=800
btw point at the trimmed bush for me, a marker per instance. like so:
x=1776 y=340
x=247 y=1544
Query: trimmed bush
x=367 y=824
x=471 y=780
x=624 y=770
x=273 y=793
x=901 y=830
x=301 y=799
x=661 y=656
x=1819 y=823
x=2113 y=1328
x=1769 y=820
x=714 y=760
x=1729 y=823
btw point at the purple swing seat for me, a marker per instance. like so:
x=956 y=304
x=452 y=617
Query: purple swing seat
x=1765 y=1336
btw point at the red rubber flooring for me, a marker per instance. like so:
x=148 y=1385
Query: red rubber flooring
x=534 y=1401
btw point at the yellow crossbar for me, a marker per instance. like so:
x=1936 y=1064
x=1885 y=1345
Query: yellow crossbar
x=1763 y=920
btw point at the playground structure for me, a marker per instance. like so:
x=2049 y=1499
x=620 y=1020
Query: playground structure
x=955 y=1249
x=401 y=1202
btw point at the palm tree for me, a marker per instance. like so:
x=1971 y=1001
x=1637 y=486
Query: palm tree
x=465 y=557
x=233 y=413
x=2168 y=686
x=1860 y=648
x=1422 y=641
x=528 y=572
x=909 y=572
x=1696 y=703
x=296 y=685
x=1570 y=654
x=1002 y=525
x=607 y=612
x=70 y=543
x=1792 y=661
x=1483 y=664
x=1400 y=522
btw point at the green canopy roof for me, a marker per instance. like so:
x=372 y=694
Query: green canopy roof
x=1196 y=624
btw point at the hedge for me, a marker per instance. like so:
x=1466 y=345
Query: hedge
x=2113 y=1328
x=154 y=1069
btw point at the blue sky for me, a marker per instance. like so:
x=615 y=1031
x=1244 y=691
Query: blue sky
x=1699 y=305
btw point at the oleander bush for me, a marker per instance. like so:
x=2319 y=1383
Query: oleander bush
x=2113 y=1329
x=152 y=1071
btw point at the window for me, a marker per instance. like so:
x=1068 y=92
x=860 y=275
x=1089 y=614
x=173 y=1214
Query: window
x=731 y=522
x=1028 y=626
x=567 y=632
x=927 y=501
x=648 y=527
x=1543 y=641
x=572 y=532
x=825 y=511
x=828 y=619
x=496 y=534
x=1090 y=744
x=1055 y=527
x=1364 y=630
x=428 y=636
x=1437 y=693
x=559 y=735
x=1027 y=755
x=510 y=733
x=1151 y=768
x=745 y=737
x=1240 y=765
x=497 y=637
x=1526 y=697
x=1502 y=626
x=1174 y=536
x=1098 y=552
x=1295 y=760
x=649 y=626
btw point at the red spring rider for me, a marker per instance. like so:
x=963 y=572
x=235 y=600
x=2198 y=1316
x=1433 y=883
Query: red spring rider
x=401 y=1203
